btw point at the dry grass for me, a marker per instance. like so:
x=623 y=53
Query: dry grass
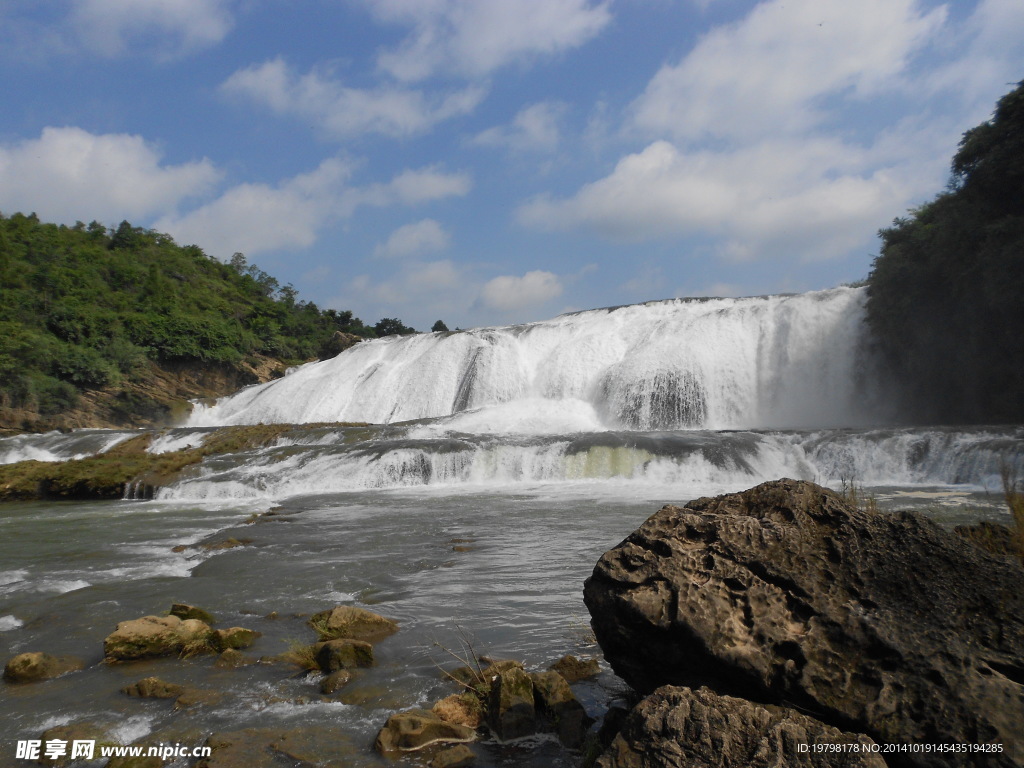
x=1013 y=493
x=301 y=655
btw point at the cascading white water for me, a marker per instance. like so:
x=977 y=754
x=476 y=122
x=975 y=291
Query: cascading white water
x=767 y=362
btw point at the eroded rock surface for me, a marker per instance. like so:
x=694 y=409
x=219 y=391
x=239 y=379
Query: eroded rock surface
x=884 y=623
x=676 y=727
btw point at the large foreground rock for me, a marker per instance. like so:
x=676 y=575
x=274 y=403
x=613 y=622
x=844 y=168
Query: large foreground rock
x=676 y=727
x=885 y=624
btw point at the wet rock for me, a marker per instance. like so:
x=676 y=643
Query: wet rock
x=352 y=623
x=699 y=729
x=461 y=708
x=226 y=544
x=335 y=681
x=343 y=654
x=886 y=624
x=416 y=729
x=153 y=688
x=33 y=666
x=184 y=611
x=183 y=695
x=574 y=670
x=558 y=706
x=248 y=748
x=510 y=708
x=317 y=746
x=459 y=756
x=233 y=638
x=156 y=636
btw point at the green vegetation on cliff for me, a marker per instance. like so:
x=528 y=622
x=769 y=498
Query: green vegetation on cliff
x=87 y=308
x=946 y=293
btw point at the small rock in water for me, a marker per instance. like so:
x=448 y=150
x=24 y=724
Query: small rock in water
x=416 y=729
x=558 y=705
x=574 y=670
x=510 y=708
x=343 y=654
x=156 y=636
x=234 y=638
x=353 y=623
x=33 y=666
x=184 y=611
x=335 y=681
x=462 y=708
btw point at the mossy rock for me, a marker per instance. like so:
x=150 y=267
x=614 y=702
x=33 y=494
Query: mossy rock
x=333 y=655
x=353 y=623
x=153 y=636
x=33 y=666
x=417 y=729
x=184 y=611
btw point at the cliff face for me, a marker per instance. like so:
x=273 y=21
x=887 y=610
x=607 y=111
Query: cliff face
x=160 y=397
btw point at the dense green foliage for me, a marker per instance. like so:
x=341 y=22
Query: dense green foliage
x=82 y=307
x=946 y=293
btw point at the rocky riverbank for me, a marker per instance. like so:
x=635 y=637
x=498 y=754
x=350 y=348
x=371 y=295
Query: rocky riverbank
x=765 y=625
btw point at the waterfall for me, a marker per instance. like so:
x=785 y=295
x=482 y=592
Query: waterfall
x=767 y=362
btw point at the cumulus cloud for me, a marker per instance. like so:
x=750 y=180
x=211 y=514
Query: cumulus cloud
x=426 y=236
x=413 y=187
x=340 y=111
x=768 y=72
x=509 y=292
x=69 y=174
x=254 y=218
x=168 y=27
x=475 y=37
x=535 y=128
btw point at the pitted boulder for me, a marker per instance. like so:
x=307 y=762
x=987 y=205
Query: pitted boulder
x=676 y=727
x=886 y=624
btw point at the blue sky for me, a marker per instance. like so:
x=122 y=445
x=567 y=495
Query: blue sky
x=496 y=161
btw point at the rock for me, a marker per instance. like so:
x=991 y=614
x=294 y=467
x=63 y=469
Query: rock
x=248 y=748
x=676 y=727
x=183 y=695
x=338 y=343
x=353 y=623
x=311 y=746
x=232 y=659
x=156 y=636
x=459 y=756
x=886 y=624
x=343 y=654
x=418 y=728
x=233 y=638
x=574 y=670
x=510 y=708
x=556 y=703
x=33 y=666
x=184 y=612
x=153 y=688
x=335 y=681
x=462 y=708
x=225 y=544
x=992 y=537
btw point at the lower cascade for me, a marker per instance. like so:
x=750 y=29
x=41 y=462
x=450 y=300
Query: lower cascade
x=767 y=362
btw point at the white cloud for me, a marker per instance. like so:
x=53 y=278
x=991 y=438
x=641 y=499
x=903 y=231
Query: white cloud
x=815 y=198
x=413 y=187
x=253 y=218
x=256 y=217
x=508 y=292
x=475 y=37
x=768 y=72
x=535 y=128
x=426 y=236
x=167 y=27
x=339 y=111
x=69 y=174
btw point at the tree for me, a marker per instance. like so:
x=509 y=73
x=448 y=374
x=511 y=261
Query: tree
x=946 y=292
x=389 y=326
x=439 y=326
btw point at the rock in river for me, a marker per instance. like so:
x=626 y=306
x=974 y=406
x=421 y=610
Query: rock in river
x=881 y=623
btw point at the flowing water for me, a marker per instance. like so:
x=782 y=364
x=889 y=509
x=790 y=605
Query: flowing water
x=500 y=465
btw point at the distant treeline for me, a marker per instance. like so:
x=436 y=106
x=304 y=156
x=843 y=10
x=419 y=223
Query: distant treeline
x=946 y=293
x=85 y=307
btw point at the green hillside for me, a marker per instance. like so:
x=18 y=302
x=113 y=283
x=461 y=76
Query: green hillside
x=85 y=308
x=946 y=294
